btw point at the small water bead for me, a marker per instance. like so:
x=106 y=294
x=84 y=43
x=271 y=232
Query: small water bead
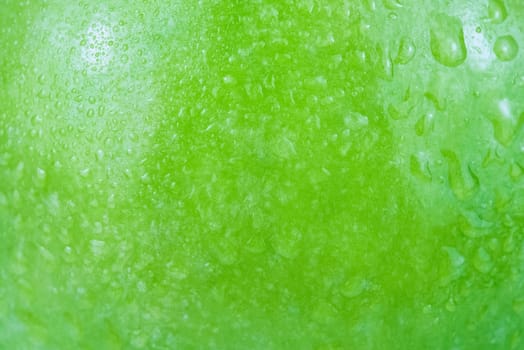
x=101 y=110
x=386 y=64
x=392 y=4
x=419 y=167
x=406 y=51
x=100 y=155
x=40 y=174
x=506 y=48
x=483 y=261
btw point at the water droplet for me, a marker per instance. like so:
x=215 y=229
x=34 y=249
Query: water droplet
x=84 y=172
x=456 y=258
x=287 y=244
x=425 y=124
x=284 y=147
x=504 y=124
x=419 y=167
x=456 y=265
x=503 y=130
x=226 y=251
x=229 y=79
x=392 y=4
x=97 y=247
x=101 y=110
x=99 y=155
x=447 y=40
x=371 y=5
x=518 y=306
x=398 y=112
x=98 y=228
x=354 y=287
x=111 y=201
x=482 y=261
x=255 y=244
x=457 y=181
x=141 y=286
x=506 y=48
x=384 y=63
x=355 y=120
x=40 y=174
x=516 y=171
x=451 y=306
x=438 y=90
x=406 y=51
x=497 y=11
x=145 y=178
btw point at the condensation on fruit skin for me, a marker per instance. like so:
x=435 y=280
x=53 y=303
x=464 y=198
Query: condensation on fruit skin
x=256 y=244
x=504 y=122
x=425 y=124
x=225 y=251
x=385 y=63
x=406 y=51
x=354 y=287
x=287 y=244
x=506 y=48
x=483 y=261
x=462 y=186
x=392 y=4
x=456 y=265
x=447 y=40
x=473 y=225
x=419 y=167
x=399 y=112
x=497 y=11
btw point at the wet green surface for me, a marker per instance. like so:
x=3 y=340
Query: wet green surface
x=262 y=175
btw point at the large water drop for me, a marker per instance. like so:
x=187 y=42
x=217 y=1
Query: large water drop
x=447 y=40
x=497 y=11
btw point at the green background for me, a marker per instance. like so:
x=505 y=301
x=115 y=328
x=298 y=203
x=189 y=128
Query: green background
x=262 y=174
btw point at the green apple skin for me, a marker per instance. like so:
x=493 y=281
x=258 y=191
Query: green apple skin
x=263 y=175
